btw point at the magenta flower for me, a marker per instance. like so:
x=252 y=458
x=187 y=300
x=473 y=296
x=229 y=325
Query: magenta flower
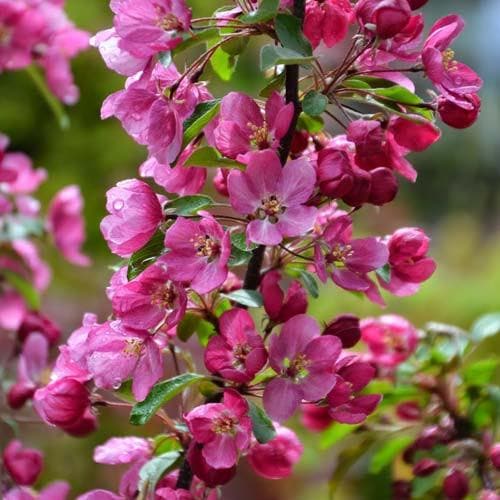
x=12 y=309
x=224 y=429
x=439 y=61
x=37 y=322
x=238 y=352
x=65 y=223
x=24 y=179
x=304 y=362
x=199 y=252
x=242 y=128
x=150 y=299
x=135 y=214
x=459 y=111
x=408 y=261
x=211 y=476
x=276 y=458
x=117 y=353
x=315 y=418
x=390 y=338
x=281 y=306
x=327 y=21
x=273 y=197
x=23 y=464
x=384 y=18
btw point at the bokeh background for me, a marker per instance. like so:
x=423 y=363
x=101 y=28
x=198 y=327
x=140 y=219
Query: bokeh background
x=456 y=199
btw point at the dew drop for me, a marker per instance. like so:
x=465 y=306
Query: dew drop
x=118 y=205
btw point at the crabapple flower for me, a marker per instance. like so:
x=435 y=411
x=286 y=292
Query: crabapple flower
x=242 y=128
x=135 y=214
x=459 y=111
x=24 y=179
x=211 y=476
x=327 y=21
x=447 y=74
x=36 y=322
x=304 y=361
x=116 y=353
x=315 y=418
x=238 y=352
x=390 y=338
x=12 y=309
x=281 y=306
x=387 y=17
x=199 y=253
x=456 y=484
x=23 y=464
x=150 y=299
x=224 y=429
x=276 y=458
x=273 y=197
x=408 y=261
x=346 y=328
x=65 y=223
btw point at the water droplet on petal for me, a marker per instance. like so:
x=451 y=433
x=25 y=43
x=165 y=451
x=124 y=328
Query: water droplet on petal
x=118 y=205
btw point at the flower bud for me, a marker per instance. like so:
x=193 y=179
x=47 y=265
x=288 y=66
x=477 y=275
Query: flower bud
x=62 y=402
x=401 y=490
x=495 y=455
x=425 y=467
x=300 y=141
x=276 y=458
x=37 y=322
x=346 y=328
x=83 y=426
x=459 y=114
x=416 y=4
x=23 y=464
x=19 y=393
x=220 y=181
x=410 y=410
x=456 y=485
x=210 y=476
x=315 y=418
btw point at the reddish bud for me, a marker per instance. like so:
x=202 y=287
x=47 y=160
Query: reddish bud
x=300 y=141
x=459 y=114
x=456 y=485
x=384 y=186
x=19 y=393
x=220 y=181
x=210 y=476
x=416 y=4
x=23 y=464
x=495 y=455
x=84 y=426
x=425 y=467
x=346 y=328
x=37 y=322
x=401 y=490
x=315 y=418
x=409 y=410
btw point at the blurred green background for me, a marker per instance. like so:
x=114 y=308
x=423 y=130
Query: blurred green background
x=456 y=199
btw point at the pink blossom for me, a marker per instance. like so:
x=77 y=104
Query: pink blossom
x=32 y=267
x=65 y=223
x=304 y=362
x=23 y=464
x=276 y=458
x=211 y=476
x=100 y=495
x=12 y=309
x=223 y=428
x=327 y=21
x=406 y=44
x=117 y=353
x=242 y=128
x=199 y=252
x=25 y=179
x=135 y=214
x=443 y=70
x=122 y=450
x=83 y=426
x=57 y=490
x=35 y=321
x=494 y=454
x=238 y=352
x=390 y=338
x=315 y=418
x=389 y=17
x=459 y=111
x=273 y=196
x=281 y=306
x=150 y=299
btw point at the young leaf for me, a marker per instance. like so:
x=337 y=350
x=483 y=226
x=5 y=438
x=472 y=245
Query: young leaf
x=310 y=283
x=202 y=115
x=199 y=37
x=387 y=452
x=145 y=256
x=289 y=31
x=266 y=11
x=274 y=84
x=334 y=434
x=272 y=55
x=249 y=298
x=239 y=240
x=164 y=443
x=193 y=323
x=189 y=205
x=314 y=103
x=240 y=254
x=311 y=124
x=153 y=470
x=223 y=64
x=161 y=393
x=481 y=372
x=384 y=273
x=262 y=427
x=27 y=291
x=486 y=326
x=210 y=157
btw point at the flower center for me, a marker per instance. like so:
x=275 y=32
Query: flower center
x=225 y=424
x=206 y=246
x=133 y=347
x=164 y=296
x=449 y=62
x=296 y=369
x=5 y=36
x=240 y=353
x=259 y=135
x=166 y=20
x=340 y=253
x=270 y=207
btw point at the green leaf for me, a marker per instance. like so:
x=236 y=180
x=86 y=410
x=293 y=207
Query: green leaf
x=124 y=392
x=146 y=256
x=309 y=282
x=153 y=470
x=314 y=103
x=165 y=58
x=239 y=256
x=262 y=427
x=249 y=298
x=311 y=124
x=387 y=452
x=384 y=273
x=239 y=240
x=193 y=323
x=275 y=84
x=289 y=31
x=160 y=394
x=235 y=46
x=486 y=326
x=272 y=55
x=481 y=372
x=266 y=11
x=335 y=433
x=27 y=291
x=398 y=94
x=422 y=486
x=189 y=205
x=223 y=64
x=202 y=115
x=210 y=157
x=199 y=37
x=164 y=443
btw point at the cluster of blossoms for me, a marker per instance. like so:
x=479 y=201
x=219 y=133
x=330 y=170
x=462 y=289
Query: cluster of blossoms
x=27 y=333
x=288 y=192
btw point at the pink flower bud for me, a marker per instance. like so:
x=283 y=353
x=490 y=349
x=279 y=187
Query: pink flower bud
x=276 y=458
x=401 y=490
x=62 y=402
x=456 y=485
x=346 y=328
x=425 y=467
x=83 y=426
x=495 y=455
x=220 y=181
x=416 y=4
x=23 y=464
x=35 y=321
x=210 y=476
x=410 y=410
x=386 y=17
x=459 y=113
x=19 y=393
